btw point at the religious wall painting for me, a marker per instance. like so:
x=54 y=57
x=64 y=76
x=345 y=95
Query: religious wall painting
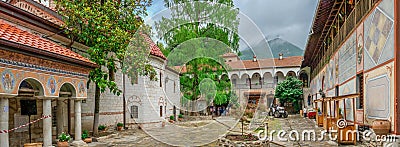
x=360 y=47
x=81 y=89
x=7 y=81
x=378 y=103
x=377 y=35
x=52 y=85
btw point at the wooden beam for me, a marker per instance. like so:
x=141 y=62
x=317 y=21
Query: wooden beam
x=397 y=65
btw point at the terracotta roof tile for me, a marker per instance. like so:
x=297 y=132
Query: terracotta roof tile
x=155 y=51
x=16 y=35
x=262 y=63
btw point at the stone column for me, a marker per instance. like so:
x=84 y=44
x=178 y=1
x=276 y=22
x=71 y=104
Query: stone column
x=47 y=126
x=78 y=124
x=4 y=106
x=60 y=117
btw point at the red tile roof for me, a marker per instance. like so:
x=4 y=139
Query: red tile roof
x=263 y=63
x=294 y=61
x=13 y=34
x=155 y=51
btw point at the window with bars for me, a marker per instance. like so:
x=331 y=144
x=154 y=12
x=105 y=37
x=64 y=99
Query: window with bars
x=134 y=111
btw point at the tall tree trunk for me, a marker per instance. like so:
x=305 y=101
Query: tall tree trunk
x=96 y=110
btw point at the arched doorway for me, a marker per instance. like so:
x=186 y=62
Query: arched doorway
x=291 y=74
x=63 y=105
x=244 y=81
x=234 y=79
x=304 y=79
x=256 y=81
x=268 y=80
x=25 y=108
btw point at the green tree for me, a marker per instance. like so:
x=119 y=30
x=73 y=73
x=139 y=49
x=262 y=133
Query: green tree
x=289 y=90
x=197 y=34
x=109 y=29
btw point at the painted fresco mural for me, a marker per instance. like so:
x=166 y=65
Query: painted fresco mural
x=11 y=79
x=378 y=50
x=347 y=59
x=378 y=39
x=360 y=47
x=348 y=88
x=369 y=49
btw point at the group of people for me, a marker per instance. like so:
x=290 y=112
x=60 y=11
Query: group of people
x=218 y=111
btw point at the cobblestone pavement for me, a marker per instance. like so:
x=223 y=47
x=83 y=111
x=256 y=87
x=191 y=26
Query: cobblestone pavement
x=205 y=135
x=193 y=136
x=170 y=135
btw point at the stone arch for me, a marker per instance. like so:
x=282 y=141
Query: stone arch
x=304 y=78
x=256 y=79
x=268 y=79
x=234 y=79
x=279 y=76
x=244 y=76
x=291 y=73
x=31 y=85
x=224 y=77
x=68 y=89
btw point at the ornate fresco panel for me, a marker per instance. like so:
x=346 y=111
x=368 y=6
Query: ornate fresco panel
x=378 y=27
x=360 y=47
x=347 y=59
x=378 y=103
x=348 y=88
x=12 y=78
x=8 y=57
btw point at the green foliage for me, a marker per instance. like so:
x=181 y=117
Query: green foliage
x=120 y=124
x=109 y=29
x=180 y=116
x=85 y=134
x=171 y=117
x=101 y=127
x=289 y=90
x=64 y=137
x=196 y=35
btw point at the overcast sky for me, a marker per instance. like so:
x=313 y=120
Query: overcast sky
x=287 y=19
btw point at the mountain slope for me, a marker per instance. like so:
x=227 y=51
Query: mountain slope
x=277 y=46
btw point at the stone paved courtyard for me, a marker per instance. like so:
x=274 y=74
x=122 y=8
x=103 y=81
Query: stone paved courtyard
x=206 y=135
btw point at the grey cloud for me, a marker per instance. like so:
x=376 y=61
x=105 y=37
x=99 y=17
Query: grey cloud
x=289 y=19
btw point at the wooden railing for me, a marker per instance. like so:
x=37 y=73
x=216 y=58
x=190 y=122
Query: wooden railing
x=360 y=10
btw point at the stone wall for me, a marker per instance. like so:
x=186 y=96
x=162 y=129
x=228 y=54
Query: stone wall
x=147 y=95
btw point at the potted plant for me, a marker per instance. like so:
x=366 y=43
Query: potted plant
x=85 y=136
x=180 y=117
x=102 y=128
x=63 y=139
x=119 y=126
x=171 y=119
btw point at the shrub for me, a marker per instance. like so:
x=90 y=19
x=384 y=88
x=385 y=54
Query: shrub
x=64 y=137
x=85 y=134
x=101 y=127
x=180 y=116
x=171 y=117
x=120 y=124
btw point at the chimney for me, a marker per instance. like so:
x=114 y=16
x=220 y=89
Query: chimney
x=254 y=58
x=280 y=56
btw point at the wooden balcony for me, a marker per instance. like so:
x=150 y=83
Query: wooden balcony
x=340 y=30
